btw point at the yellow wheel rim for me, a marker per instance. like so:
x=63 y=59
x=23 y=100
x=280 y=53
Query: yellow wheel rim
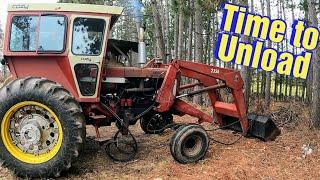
x=12 y=147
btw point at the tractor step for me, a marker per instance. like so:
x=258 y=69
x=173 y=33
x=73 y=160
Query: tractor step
x=98 y=117
x=261 y=126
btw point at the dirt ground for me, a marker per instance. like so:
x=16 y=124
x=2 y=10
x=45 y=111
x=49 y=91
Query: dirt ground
x=247 y=159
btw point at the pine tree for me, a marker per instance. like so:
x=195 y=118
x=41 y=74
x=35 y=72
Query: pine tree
x=245 y=71
x=158 y=31
x=181 y=29
x=315 y=106
x=268 y=74
x=198 y=39
x=190 y=30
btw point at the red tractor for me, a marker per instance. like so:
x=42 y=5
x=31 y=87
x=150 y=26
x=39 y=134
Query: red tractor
x=66 y=75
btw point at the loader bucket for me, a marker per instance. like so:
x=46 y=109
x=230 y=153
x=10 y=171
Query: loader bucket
x=261 y=126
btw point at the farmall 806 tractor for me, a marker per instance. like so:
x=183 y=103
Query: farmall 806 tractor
x=63 y=79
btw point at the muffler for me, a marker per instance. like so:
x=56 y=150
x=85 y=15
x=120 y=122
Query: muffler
x=260 y=126
x=142 y=60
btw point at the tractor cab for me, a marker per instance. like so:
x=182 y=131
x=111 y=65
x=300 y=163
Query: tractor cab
x=66 y=43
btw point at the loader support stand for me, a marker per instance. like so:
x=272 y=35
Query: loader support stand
x=241 y=107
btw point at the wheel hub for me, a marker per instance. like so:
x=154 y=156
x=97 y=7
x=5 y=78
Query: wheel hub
x=192 y=145
x=33 y=130
x=30 y=134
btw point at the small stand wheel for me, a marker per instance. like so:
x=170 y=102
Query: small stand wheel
x=122 y=148
x=189 y=144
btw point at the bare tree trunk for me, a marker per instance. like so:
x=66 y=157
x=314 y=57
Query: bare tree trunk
x=263 y=73
x=158 y=32
x=303 y=95
x=297 y=88
x=198 y=41
x=286 y=87
x=258 y=83
x=281 y=87
x=277 y=76
x=286 y=41
x=258 y=72
x=293 y=50
x=245 y=71
x=276 y=81
x=167 y=28
x=208 y=34
x=207 y=48
x=315 y=106
x=310 y=73
x=290 y=86
x=176 y=35
x=181 y=29
x=162 y=15
x=190 y=30
x=214 y=38
x=296 y=79
x=268 y=74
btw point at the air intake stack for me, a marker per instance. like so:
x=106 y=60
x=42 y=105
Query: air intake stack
x=142 y=60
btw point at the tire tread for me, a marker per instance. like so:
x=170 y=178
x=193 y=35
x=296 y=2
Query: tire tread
x=74 y=125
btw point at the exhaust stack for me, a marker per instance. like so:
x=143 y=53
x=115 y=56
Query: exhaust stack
x=142 y=60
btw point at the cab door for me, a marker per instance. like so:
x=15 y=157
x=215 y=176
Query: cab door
x=86 y=53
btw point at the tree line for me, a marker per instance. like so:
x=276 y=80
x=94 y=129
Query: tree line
x=193 y=27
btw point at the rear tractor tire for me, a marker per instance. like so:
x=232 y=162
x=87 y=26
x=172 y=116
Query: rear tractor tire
x=189 y=143
x=42 y=128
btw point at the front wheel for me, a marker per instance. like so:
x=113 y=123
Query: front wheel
x=189 y=144
x=42 y=128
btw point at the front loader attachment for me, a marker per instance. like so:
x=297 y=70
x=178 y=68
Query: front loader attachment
x=260 y=126
x=228 y=114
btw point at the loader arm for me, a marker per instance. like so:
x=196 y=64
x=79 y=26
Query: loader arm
x=211 y=78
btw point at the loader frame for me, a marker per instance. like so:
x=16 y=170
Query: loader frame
x=211 y=78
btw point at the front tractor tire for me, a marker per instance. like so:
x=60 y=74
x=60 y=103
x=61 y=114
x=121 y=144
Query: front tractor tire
x=189 y=144
x=42 y=128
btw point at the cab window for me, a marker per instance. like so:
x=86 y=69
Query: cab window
x=52 y=33
x=24 y=33
x=26 y=37
x=87 y=36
